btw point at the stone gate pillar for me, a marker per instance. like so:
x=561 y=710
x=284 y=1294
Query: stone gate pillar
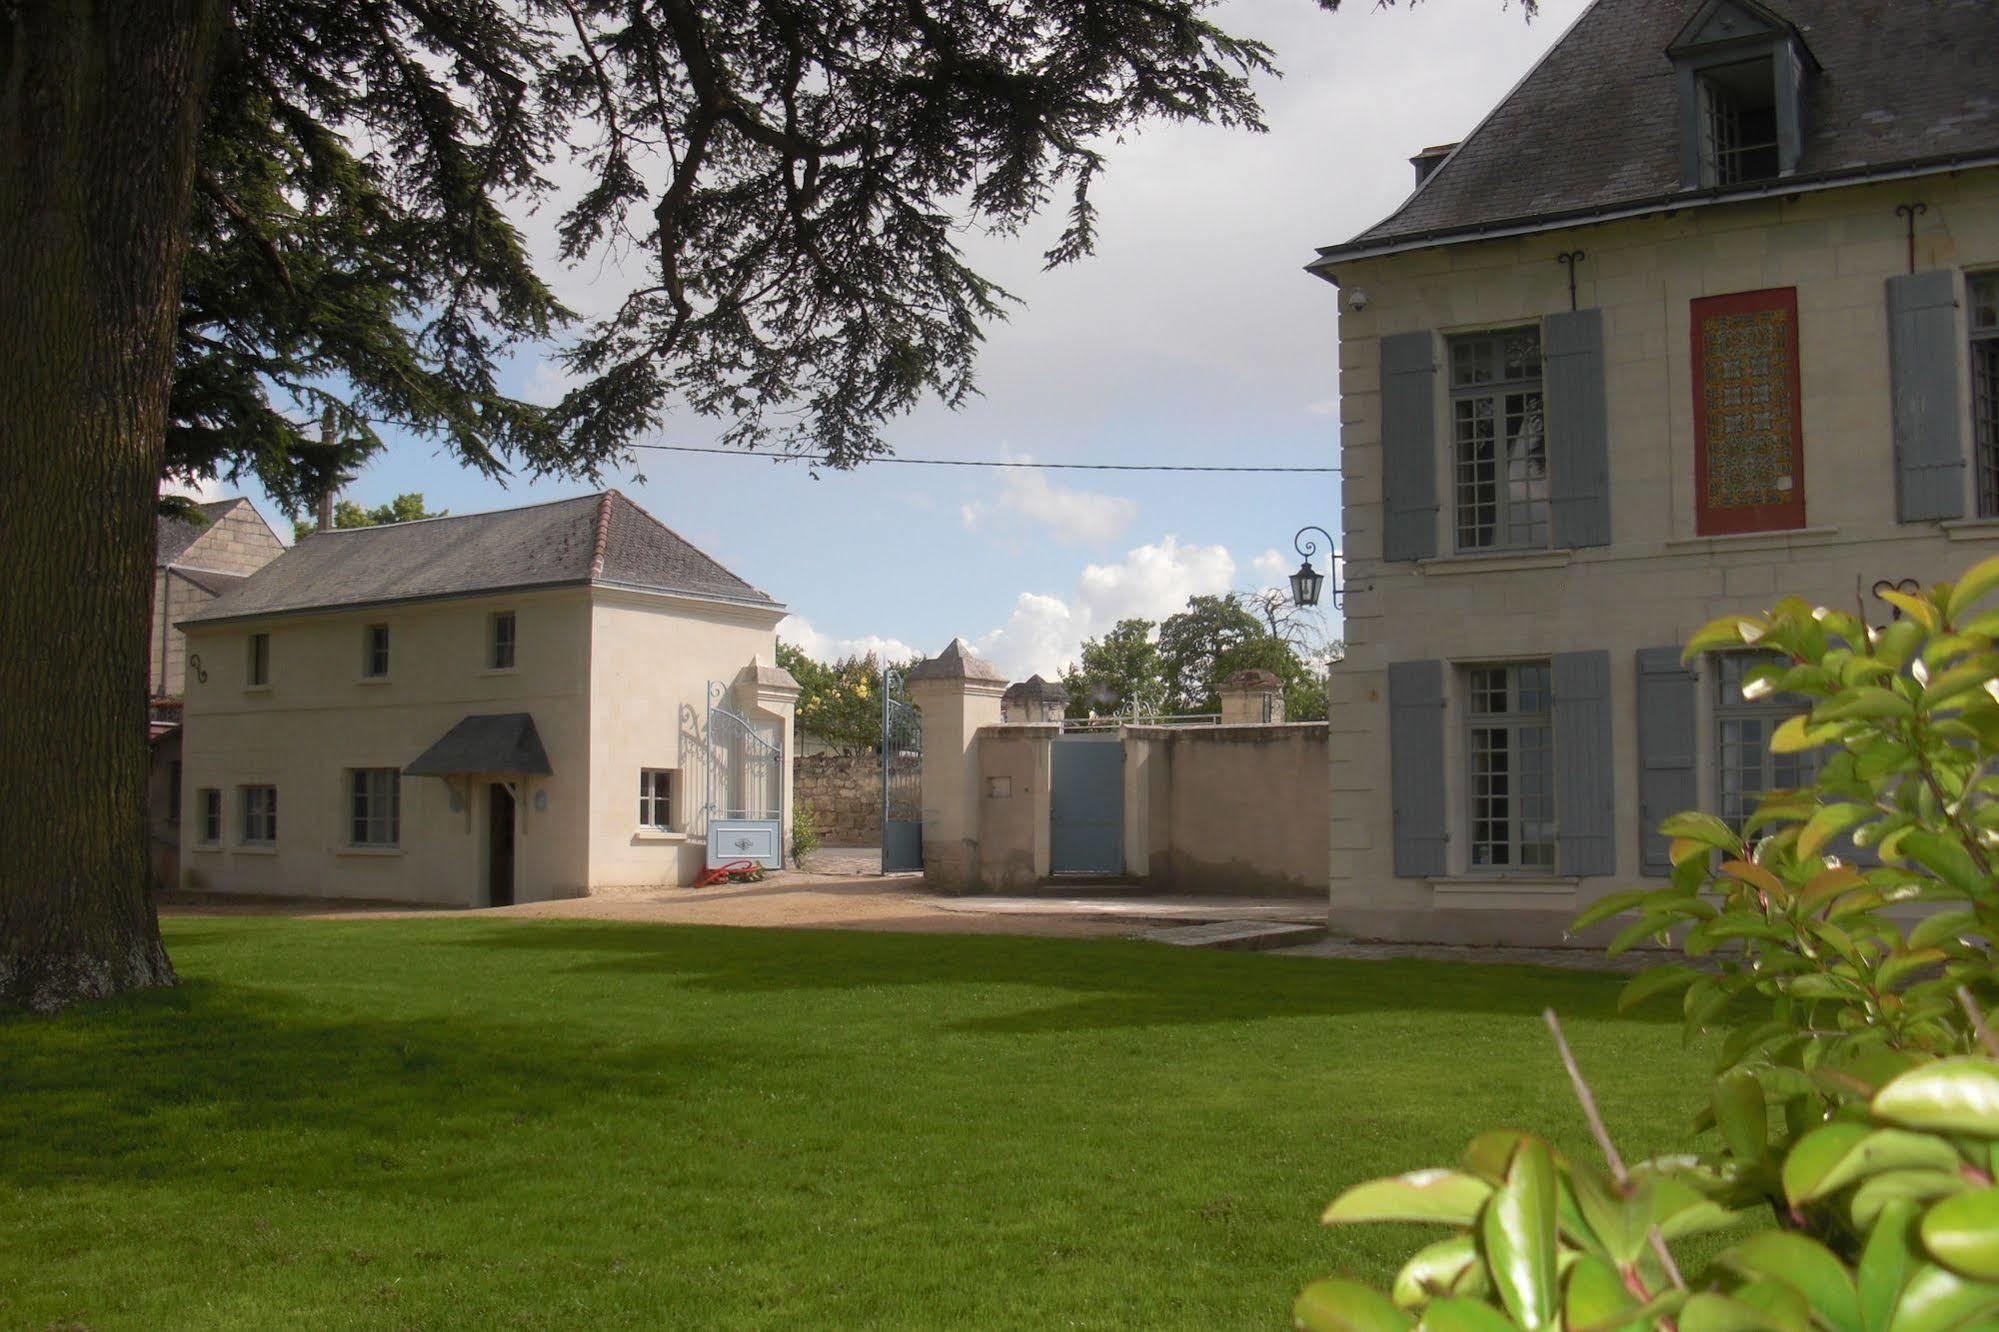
x=958 y=692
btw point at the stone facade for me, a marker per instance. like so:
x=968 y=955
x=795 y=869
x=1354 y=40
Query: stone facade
x=1658 y=578
x=235 y=543
x=842 y=795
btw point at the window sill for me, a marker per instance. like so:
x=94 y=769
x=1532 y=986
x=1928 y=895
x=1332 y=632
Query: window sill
x=658 y=835
x=257 y=689
x=1971 y=529
x=372 y=680
x=365 y=851
x=1751 y=540
x=1550 y=885
x=501 y=670
x=206 y=846
x=254 y=849
x=1498 y=561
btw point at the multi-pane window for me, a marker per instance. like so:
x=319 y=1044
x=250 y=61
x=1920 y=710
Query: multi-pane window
x=1744 y=766
x=375 y=651
x=209 y=799
x=260 y=815
x=1511 y=752
x=1984 y=291
x=656 y=798
x=1499 y=446
x=257 y=670
x=1739 y=123
x=374 y=806
x=500 y=642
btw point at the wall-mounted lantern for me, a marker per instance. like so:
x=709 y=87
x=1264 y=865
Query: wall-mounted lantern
x=1308 y=584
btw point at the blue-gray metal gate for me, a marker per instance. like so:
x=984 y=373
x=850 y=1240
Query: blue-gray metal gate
x=1086 y=805
x=902 y=779
x=745 y=787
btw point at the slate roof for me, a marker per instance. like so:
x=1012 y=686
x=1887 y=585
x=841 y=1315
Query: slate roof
x=505 y=743
x=603 y=539
x=1593 y=129
x=956 y=662
x=172 y=537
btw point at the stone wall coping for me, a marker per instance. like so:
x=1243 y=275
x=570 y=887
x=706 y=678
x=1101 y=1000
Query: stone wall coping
x=1230 y=731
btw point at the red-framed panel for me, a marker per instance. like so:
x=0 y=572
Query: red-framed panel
x=1749 y=434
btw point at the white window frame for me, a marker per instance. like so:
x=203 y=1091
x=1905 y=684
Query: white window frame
x=502 y=649
x=265 y=820
x=369 y=822
x=655 y=804
x=1742 y=730
x=1525 y=722
x=1509 y=396
x=1982 y=301
x=375 y=652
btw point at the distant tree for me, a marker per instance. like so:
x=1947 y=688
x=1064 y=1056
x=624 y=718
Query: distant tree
x=404 y=508
x=1120 y=673
x=839 y=702
x=1194 y=641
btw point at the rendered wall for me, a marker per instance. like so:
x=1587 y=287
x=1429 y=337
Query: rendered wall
x=651 y=662
x=1228 y=809
x=319 y=717
x=1014 y=767
x=1658 y=581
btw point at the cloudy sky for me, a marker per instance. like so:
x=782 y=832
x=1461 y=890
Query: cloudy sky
x=1191 y=336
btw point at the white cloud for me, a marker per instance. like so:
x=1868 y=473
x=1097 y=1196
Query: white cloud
x=1069 y=517
x=1045 y=633
x=201 y=492
x=1272 y=565
x=799 y=632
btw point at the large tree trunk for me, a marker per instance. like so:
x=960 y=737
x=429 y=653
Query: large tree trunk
x=100 y=106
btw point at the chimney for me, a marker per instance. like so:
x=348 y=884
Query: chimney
x=1427 y=161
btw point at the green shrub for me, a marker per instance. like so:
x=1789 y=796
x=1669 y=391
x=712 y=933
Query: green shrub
x=1841 y=945
x=804 y=835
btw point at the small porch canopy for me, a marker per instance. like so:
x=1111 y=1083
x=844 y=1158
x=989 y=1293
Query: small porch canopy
x=504 y=744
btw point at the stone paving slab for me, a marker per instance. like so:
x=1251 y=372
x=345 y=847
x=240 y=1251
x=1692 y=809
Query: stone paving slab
x=1191 y=910
x=1240 y=935
x=1568 y=959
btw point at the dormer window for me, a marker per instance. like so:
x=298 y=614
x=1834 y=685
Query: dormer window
x=1741 y=72
x=1738 y=106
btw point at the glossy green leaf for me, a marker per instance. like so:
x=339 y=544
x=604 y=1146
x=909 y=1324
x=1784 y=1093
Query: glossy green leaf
x=1935 y=1299
x=1436 y=1270
x=1726 y=632
x=1972 y=586
x=1942 y=927
x=1742 y=1116
x=1519 y=1232
x=1830 y=1158
x=1877 y=1194
x=1945 y=857
x=1658 y=980
x=1604 y=908
x=1346 y=1306
x=1594 y=1296
x=1959 y=1095
x=1709 y=1312
x=1805 y=1265
x=1490 y=1154
x=1616 y=1222
x=1464 y=1316
x=1780 y=1303
x=1695 y=826
x=1890 y=1255
x=1865 y=703
x=1828 y=823
x=1962 y=1233
x=1421 y=1195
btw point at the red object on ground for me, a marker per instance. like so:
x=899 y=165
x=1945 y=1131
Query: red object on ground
x=725 y=873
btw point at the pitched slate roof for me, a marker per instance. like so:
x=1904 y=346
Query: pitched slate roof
x=1594 y=128
x=603 y=539
x=172 y=536
x=504 y=742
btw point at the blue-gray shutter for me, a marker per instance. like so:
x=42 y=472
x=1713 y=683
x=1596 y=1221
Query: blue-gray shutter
x=1409 y=446
x=1923 y=357
x=1578 y=426
x=1585 y=786
x=1668 y=740
x=1416 y=767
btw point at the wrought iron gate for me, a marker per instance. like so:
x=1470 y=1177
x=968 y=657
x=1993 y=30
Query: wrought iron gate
x=902 y=779
x=745 y=787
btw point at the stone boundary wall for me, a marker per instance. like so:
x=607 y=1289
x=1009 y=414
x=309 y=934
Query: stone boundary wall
x=842 y=794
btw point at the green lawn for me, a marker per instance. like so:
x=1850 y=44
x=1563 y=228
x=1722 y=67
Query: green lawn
x=464 y=1123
